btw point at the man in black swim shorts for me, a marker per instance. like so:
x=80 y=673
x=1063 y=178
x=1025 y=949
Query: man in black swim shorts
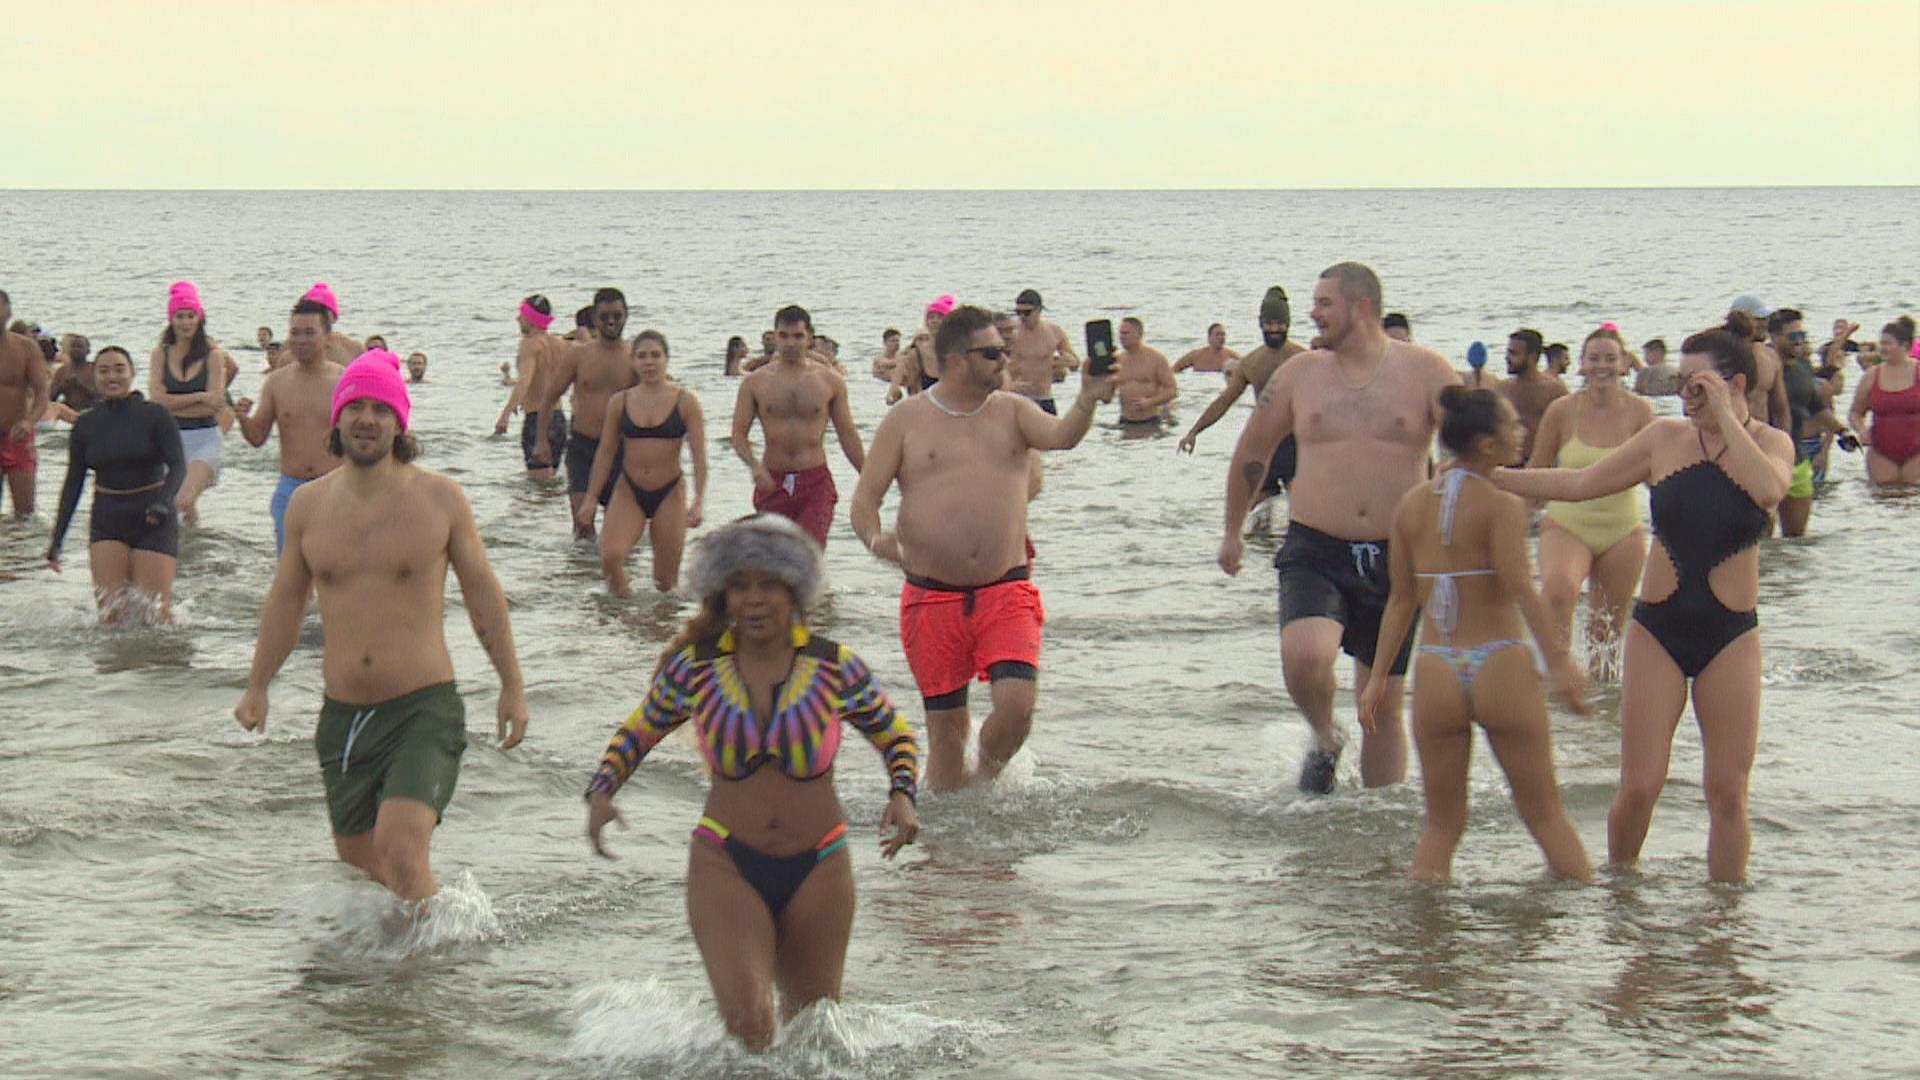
x=1375 y=407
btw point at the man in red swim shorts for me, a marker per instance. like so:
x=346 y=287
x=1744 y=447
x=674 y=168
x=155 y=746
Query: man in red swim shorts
x=23 y=397
x=969 y=608
x=793 y=398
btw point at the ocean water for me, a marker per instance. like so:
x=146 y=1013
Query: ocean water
x=1145 y=894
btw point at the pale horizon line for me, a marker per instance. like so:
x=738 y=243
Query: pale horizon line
x=51 y=189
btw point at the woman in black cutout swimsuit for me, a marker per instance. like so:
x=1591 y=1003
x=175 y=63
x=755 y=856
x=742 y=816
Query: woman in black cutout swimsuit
x=645 y=430
x=1721 y=474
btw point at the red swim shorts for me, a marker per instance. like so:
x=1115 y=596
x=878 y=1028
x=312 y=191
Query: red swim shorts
x=952 y=635
x=807 y=498
x=17 y=456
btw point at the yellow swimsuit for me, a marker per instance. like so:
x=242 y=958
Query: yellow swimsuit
x=1598 y=523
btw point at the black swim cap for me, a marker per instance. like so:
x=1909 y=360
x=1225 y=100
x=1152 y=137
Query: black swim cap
x=1029 y=298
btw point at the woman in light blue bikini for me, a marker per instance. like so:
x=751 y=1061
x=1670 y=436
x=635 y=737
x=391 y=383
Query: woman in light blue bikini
x=1459 y=550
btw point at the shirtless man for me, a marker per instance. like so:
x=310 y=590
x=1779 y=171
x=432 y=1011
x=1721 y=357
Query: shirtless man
x=298 y=397
x=1041 y=352
x=71 y=384
x=596 y=371
x=1767 y=397
x=1365 y=409
x=392 y=727
x=1143 y=379
x=341 y=349
x=918 y=367
x=793 y=398
x=538 y=350
x=23 y=398
x=1253 y=370
x=968 y=608
x=889 y=357
x=1528 y=389
x=1213 y=356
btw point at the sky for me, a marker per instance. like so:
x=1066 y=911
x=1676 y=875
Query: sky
x=1046 y=94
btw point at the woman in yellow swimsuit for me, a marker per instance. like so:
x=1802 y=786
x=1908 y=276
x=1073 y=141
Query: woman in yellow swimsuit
x=1601 y=542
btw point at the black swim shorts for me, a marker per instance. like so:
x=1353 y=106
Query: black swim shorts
x=128 y=519
x=1344 y=580
x=580 y=454
x=556 y=439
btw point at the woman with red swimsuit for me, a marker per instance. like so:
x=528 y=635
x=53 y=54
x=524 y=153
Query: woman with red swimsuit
x=1891 y=395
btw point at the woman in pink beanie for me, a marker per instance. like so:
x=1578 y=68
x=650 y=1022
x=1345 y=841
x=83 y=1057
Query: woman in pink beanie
x=188 y=375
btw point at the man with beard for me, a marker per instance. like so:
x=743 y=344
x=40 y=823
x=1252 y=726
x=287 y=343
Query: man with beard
x=1810 y=409
x=597 y=370
x=794 y=398
x=1365 y=408
x=1253 y=370
x=375 y=539
x=298 y=397
x=968 y=608
x=23 y=397
x=1528 y=389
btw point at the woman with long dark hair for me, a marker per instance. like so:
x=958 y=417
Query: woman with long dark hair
x=187 y=375
x=1716 y=476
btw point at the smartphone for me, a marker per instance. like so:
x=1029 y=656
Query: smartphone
x=1099 y=347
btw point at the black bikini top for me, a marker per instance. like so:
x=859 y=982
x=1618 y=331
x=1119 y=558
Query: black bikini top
x=1703 y=519
x=673 y=427
x=195 y=385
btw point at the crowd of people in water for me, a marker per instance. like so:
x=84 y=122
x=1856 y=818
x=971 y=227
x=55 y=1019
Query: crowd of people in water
x=1411 y=492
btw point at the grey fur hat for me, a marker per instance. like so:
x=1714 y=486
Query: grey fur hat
x=760 y=542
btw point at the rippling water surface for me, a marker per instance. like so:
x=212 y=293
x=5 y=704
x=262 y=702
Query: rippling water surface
x=1146 y=895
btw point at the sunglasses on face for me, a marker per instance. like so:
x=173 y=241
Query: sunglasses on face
x=990 y=352
x=1023 y=311
x=1797 y=335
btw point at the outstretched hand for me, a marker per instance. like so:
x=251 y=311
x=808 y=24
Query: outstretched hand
x=1370 y=698
x=1231 y=550
x=510 y=724
x=252 y=711
x=600 y=810
x=898 y=826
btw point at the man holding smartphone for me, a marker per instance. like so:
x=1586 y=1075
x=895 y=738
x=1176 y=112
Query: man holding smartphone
x=968 y=607
x=1365 y=409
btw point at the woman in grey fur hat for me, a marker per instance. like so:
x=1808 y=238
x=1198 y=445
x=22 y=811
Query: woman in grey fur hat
x=769 y=891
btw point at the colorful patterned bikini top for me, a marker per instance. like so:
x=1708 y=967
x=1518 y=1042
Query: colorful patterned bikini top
x=828 y=684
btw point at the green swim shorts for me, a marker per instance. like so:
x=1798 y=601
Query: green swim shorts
x=1802 y=487
x=408 y=747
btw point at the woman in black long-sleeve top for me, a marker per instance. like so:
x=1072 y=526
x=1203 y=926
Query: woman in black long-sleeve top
x=133 y=447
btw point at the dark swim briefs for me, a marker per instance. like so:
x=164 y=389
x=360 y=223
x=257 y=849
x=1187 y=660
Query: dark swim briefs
x=1323 y=576
x=408 y=747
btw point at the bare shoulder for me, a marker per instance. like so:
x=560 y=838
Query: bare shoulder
x=1773 y=440
x=688 y=399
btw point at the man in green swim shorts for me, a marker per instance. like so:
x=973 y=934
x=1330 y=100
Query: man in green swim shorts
x=374 y=540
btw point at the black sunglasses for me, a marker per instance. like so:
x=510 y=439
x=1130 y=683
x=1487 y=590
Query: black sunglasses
x=1023 y=311
x=991 y=352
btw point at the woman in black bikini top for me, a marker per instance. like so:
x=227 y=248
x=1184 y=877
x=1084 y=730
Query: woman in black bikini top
x=650 y=498
x=1720 y=474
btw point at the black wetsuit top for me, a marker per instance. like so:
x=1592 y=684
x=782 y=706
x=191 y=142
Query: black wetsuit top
x=129 y=443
